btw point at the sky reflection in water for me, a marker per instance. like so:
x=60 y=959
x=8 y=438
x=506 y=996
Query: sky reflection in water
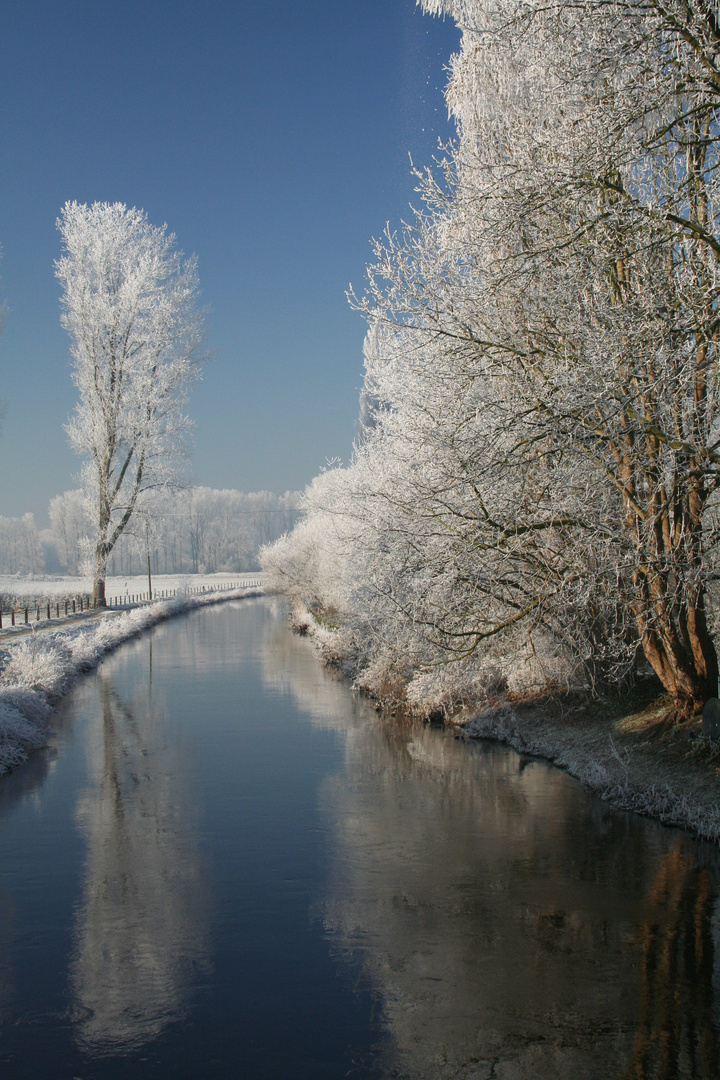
x=229 y=865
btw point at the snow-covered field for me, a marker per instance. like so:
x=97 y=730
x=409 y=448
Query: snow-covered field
x=65 y=585
x=36 y=670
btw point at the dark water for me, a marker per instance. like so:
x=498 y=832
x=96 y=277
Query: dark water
x=228 y=866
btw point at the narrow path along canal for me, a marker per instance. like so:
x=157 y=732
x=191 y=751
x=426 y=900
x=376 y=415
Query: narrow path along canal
x=227 y=865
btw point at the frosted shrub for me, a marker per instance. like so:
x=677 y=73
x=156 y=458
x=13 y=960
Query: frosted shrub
x=445 y=690
x=539 y=665
x=335 y=648
x=385 y=678
x=18 y=734
x=32 y=705
x=38 y=664
x=183 y=588
x=84 y=652
x=301 y=620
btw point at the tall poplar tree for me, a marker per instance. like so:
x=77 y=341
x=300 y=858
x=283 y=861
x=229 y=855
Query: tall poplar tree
x=130 y=306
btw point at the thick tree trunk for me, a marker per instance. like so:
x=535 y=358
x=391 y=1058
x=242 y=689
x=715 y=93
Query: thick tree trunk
x=682 y=654
x=669 y=594
x=98 y=597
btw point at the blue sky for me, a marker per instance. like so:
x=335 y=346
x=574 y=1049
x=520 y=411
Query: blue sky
x=273 y=139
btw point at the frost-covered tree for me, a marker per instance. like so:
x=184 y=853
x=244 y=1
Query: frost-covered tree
x=189 y=530
x=70 y=525
x=20 y=548
x=542 y=359
x=587 y=204
x=130 y=307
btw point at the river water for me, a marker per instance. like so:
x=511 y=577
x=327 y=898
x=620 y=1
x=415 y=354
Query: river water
x=227 y=865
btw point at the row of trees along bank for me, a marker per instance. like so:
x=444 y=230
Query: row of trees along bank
x=197 y=530
x=537 y=477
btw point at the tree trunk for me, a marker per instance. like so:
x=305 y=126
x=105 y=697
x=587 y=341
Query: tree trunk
x=683 y=657
x=669 y=594
x=98 y=597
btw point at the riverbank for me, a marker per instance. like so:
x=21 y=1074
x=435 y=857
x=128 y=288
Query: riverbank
x=625 y=753
x=36 y=671
x=623 y=750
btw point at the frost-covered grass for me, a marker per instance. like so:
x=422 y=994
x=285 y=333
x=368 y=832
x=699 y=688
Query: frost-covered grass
x=629 y=762
x=39 y=669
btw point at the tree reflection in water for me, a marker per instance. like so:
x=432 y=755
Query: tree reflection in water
x=508 y=924
x=140 y=927
x=675 y=1032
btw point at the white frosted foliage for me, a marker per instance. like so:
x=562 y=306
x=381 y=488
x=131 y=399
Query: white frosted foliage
x=130 y=308
x=535 y=485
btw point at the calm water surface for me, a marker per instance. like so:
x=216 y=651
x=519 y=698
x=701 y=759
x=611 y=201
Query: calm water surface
x=226 y=865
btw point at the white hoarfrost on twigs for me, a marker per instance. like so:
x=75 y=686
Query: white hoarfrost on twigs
x=38 y=670
x=532 y=506
x=537 y=464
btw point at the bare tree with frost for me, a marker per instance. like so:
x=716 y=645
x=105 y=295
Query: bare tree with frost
x=601 y=196
x=130 y=307
x=567 y=277
x=543 y=349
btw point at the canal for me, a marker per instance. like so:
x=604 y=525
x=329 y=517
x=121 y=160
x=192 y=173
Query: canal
x=226 y=864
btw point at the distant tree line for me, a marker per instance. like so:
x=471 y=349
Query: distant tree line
x=199 y=530
x=21 y=549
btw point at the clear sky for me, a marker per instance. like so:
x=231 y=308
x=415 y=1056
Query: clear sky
x=273 y=139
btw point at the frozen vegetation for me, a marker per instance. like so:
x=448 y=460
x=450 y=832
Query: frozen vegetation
x=130 y=306
x=532 y=503
x=38 y=670
x=198 y=530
